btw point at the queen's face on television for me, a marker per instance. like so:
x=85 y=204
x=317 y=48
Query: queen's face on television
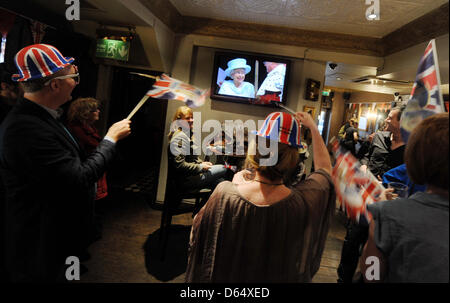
x=238 y=76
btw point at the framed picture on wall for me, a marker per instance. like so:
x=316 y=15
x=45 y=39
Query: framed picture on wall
x=310 y=110
x=312 y=90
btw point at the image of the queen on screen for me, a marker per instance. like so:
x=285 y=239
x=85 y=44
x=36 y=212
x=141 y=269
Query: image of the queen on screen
x=236 y=70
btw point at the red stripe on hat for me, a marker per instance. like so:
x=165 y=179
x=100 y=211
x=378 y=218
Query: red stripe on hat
x=20 y=59
x=298 y=131
x=271 y=124
x=41 y=65
x=49 y=52
x=285 y=128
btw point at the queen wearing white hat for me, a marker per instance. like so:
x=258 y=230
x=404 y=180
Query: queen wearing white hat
x=237 y=69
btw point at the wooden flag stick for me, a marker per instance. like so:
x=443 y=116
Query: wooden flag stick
x=284 y=107
x=145 y=75
x=138 y=106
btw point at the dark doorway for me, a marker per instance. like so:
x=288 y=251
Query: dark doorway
x=139 y=155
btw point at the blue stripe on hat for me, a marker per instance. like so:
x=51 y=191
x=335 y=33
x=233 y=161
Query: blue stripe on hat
x=51 y=65
x=293 y=134
x=32 y=67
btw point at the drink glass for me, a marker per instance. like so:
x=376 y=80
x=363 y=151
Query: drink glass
x=400 y=189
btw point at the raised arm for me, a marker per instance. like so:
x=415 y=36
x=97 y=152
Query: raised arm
x=320 y=152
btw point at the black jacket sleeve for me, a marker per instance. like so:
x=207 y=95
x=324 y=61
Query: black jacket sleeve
x=375 y=158
x=45 y=154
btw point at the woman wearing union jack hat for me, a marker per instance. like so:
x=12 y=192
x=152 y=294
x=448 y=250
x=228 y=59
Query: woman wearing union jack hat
x=259 y=228
x=49 y=180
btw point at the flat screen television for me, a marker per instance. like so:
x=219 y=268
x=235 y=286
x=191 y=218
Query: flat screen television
x=250 y=78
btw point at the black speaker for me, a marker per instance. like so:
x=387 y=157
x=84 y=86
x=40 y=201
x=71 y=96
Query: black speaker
x=346 y=96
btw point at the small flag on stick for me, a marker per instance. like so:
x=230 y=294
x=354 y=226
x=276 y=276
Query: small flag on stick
x=170 y=88
x=426 y=98
x=354 y=188
x=166 y=87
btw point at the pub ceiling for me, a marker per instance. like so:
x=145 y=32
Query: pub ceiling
x=332 y=25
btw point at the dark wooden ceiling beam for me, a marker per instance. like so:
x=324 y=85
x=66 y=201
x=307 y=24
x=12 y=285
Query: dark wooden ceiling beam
x=282 y=35
x=165 y=12
x=429 y=26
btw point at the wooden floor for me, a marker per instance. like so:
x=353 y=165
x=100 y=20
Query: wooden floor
x=128 y=251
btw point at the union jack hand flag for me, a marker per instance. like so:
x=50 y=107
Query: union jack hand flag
x=426 y=98
x=232 y=167
x=166 y=87
x=354 y=188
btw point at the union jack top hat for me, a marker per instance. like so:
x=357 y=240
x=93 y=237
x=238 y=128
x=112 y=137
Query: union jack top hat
x=282 y=127
x=39 y=61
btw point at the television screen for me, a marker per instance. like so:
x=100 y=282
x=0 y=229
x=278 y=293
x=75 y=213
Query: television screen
x=249 y=78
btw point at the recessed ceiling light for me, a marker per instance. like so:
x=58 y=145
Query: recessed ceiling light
x=372 y=16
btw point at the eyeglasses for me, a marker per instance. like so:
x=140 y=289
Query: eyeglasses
x=95 y=110
x=76 y=77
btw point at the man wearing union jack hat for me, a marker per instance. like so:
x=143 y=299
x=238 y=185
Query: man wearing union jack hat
x=49 y=181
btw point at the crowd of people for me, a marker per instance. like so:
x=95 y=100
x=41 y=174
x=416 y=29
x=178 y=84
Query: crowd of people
x=268 y=223
x=385 y=158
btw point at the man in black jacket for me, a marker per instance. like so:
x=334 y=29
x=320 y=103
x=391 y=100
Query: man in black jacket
x=49 y=181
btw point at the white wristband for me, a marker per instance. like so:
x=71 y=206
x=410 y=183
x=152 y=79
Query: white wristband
x=109 y=139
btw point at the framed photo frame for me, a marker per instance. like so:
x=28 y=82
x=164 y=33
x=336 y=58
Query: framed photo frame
x=312 y=90
x=311 y=110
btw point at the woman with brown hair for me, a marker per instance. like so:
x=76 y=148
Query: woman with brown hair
x=81 y=116
x=258 y=229
x=409 y=236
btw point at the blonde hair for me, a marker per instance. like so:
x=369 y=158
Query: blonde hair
x=288 y=159
x=81 y=108
x=180 y=113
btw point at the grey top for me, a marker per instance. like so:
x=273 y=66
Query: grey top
x=234 y=240
x=413 y=234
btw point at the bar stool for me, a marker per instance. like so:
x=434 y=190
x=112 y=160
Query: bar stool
x=174 y=204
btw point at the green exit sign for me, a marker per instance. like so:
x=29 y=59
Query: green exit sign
x=325 y=93
x=112 y=49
